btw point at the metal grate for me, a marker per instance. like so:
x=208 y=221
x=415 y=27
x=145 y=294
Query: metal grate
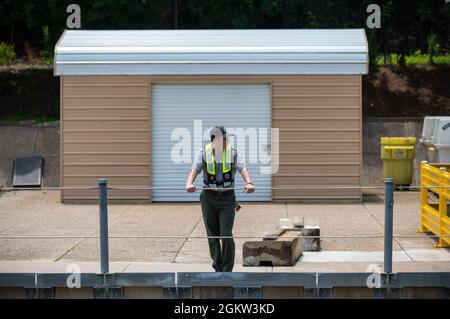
x=27 y=171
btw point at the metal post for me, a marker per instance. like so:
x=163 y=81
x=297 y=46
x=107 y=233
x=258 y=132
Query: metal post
x=388 y=223
x=423 y=197
x=103 y=205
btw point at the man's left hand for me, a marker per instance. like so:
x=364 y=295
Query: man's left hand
x=249 y=188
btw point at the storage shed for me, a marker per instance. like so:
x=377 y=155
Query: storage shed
x=129 y=99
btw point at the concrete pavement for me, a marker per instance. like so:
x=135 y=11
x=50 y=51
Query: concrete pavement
x=39 y=213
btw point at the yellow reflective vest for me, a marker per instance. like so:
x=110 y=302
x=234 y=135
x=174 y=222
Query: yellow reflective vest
x=210 y=164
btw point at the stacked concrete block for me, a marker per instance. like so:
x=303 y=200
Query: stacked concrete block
x=283 y=246
x=278 y=252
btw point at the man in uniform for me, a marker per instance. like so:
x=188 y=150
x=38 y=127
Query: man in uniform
x=219 y=161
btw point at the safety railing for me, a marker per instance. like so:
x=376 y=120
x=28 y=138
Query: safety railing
x=435 y=216
x=388 y=225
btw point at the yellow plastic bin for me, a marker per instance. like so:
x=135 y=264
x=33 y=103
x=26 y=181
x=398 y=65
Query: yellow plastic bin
x=398 y=155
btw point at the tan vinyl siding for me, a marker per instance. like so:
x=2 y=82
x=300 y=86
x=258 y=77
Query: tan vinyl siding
x=106 y=132
x=319 y=118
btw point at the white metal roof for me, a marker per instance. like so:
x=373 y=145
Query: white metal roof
x=209 y=52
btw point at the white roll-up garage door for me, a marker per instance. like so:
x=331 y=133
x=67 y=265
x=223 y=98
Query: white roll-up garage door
x=182 y=116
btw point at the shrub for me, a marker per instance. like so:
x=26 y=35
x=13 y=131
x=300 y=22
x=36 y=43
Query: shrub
x=433 y=47
x=7 y=53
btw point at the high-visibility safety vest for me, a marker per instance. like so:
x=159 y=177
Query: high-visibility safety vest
x=210 y=165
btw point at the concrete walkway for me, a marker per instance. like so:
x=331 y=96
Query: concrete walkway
x=39 y=213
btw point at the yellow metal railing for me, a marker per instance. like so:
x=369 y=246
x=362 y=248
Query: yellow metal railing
x=434 y=216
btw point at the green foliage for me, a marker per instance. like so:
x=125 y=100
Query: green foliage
x=46 y=57
x=416 y=58
x=7 y=53
x=433 y=47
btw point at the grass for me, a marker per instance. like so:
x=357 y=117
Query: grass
x=393 y=58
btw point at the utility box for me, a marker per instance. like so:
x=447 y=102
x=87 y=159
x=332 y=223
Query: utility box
x=398 y=155
x=442 y=145
x=432 y=126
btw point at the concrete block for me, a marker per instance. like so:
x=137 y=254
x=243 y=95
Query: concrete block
x=299 y=222
x=308 y=244
x=279 y=252
x=275 y=234
x=311 y=244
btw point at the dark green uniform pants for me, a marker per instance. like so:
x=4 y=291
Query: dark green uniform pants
x=218 y=215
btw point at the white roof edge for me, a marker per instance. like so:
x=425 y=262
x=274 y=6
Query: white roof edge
x=308 y=51
x=55 y=72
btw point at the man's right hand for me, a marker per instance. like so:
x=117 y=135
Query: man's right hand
x=190 y=188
